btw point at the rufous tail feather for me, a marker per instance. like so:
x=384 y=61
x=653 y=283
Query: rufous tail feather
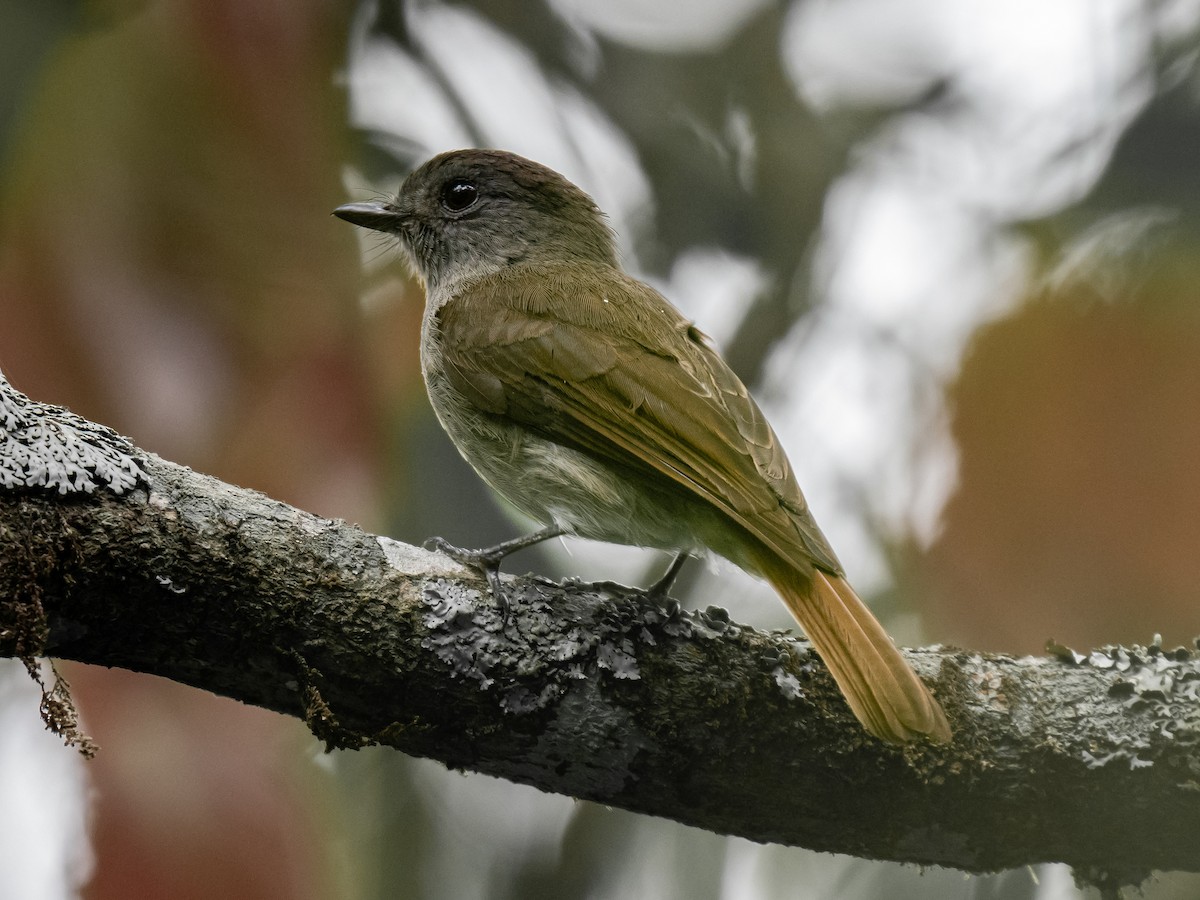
x=879 y=685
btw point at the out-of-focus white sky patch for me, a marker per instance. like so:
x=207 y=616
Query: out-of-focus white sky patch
x=743 y=864
x=831 y=403
x=397 y=97
x=473 y=83
x=916 y=251
x=497 y=81
x=44 y=849
x=1174 y=19
x=1059 y=82
x=912 y=265
x=863 y=52
x=507 y=828
x=478 y=812
x=665 y=27
x=771 y=870
x=856 y=392
x=1036 y=94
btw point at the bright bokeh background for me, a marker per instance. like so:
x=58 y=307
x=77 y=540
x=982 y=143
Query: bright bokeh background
x=953 y=246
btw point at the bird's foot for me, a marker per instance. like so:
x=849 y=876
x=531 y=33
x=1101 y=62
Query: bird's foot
x=658 y=590
x=487 y=559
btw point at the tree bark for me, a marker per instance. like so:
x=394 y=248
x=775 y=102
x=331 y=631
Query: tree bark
x=592 y=690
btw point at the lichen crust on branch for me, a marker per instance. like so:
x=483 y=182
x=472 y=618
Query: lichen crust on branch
x=45 y=446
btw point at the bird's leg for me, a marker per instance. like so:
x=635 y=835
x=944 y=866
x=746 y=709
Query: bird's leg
x=487 y=560
x=658 y=590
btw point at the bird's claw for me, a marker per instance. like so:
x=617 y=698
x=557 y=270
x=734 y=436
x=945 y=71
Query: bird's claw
x=486 y=561
x=483 y=560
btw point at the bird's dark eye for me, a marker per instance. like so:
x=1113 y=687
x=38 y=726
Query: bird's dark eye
x=459 y=194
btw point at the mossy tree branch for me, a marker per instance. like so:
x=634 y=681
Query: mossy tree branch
x=588 y=691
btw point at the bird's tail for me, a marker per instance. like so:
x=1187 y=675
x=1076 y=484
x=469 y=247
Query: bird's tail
x=879 y=685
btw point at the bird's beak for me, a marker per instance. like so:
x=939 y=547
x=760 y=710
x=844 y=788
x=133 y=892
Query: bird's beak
x=374 y=215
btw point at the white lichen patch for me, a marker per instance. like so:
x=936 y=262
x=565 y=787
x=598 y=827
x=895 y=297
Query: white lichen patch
x=409 y=560
x=43 y=446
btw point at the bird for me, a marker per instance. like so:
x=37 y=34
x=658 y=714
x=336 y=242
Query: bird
x=590 y=403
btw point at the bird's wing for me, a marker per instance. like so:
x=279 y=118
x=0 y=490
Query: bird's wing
x=612 y=369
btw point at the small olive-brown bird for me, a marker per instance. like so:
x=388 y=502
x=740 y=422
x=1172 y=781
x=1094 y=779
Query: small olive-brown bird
x=590 y=403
